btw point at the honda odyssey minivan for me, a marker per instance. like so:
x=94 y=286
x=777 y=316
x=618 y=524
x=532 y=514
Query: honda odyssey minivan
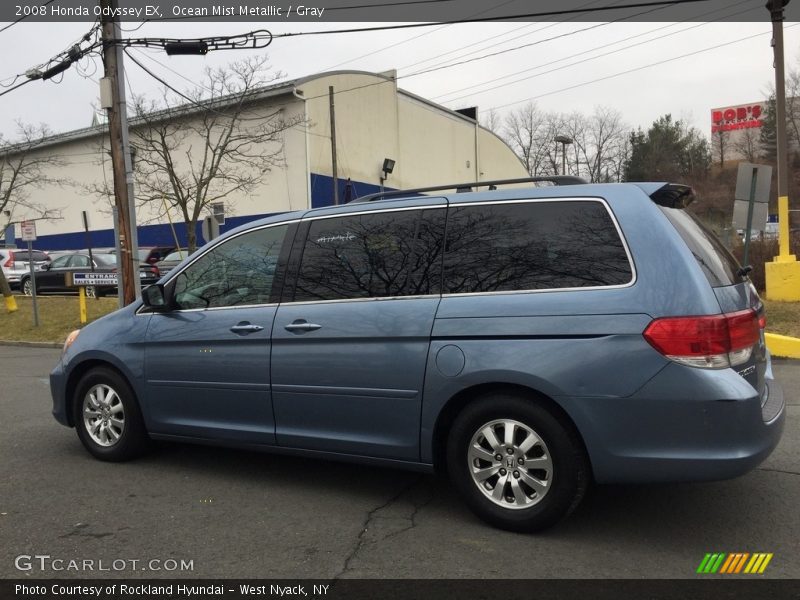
x=525 y=342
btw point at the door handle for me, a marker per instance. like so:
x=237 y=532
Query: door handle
x=301 y=326
x=245 y=328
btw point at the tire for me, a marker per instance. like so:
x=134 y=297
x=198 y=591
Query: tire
x=539 y=482
x=107 y=416
x=91 y=291
x=26 y=286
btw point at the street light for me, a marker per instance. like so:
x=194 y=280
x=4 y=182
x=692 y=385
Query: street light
x=563 y=140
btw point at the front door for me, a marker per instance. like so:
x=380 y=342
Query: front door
x=351 y=344
x=207 y=361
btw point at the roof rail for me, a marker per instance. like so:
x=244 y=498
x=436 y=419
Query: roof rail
x=469 y=187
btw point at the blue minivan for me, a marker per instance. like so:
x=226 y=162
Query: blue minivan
x=524 y=341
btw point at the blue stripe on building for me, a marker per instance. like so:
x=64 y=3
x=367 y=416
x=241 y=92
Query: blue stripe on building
x=161 y=234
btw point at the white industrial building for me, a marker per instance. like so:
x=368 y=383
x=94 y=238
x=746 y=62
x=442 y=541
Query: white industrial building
x=374 y=121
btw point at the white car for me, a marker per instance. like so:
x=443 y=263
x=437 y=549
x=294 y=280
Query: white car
x=16 y=262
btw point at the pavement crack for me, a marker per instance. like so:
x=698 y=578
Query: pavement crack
x=79 y=532
x=777 y=471
x=365 y=526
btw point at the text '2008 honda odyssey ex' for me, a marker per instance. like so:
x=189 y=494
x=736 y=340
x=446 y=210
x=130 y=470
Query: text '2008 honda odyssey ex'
x=525 y=341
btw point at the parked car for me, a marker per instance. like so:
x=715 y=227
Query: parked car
x=147 y=254
x=524 y=341
x=53 y=277
x=171 y=260
x=153 y=254
x=15 y=262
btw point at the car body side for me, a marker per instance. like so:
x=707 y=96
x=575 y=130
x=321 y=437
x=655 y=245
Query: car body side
x=640 y=416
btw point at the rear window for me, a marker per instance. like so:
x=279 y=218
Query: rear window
x=533 y=246
x=23 y=256
x=717 y=263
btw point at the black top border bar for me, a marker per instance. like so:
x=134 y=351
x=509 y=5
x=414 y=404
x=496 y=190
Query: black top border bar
x=394 y=11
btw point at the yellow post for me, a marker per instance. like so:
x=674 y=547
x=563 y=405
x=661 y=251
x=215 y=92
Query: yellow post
x=11 y=304
x=82 y=302
x=783 y=231
x=783 y=273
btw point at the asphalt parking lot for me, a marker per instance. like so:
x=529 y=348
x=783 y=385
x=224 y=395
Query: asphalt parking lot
x=252 y=515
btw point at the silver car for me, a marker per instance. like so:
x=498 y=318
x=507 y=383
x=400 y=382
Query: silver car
x=16 y=262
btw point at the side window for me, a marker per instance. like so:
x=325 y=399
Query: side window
x=376 y=255
x=79 y=260
x=533 y=246
x=238 y=272
x=60 y=262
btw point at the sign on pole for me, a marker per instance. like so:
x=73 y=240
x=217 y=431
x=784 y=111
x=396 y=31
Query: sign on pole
x=210 y=228
x=752 y=190
x=28 y=231
x=29 y=235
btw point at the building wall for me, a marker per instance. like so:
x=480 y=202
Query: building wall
x=374 y=120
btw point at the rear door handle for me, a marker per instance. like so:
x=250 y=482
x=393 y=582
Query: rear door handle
x=301 y=326
x=245 y=328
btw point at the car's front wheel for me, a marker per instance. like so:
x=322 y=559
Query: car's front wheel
x=518 y=465
x=107 y=416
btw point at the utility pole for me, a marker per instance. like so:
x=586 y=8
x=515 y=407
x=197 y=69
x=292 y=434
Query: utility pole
x=127 y=259
x=783 y=273
x=776 y=12
x=333 y=148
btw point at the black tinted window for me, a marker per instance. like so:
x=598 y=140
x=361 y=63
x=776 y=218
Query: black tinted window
x=531 y=246
x=373 y=255
x=718 y=264
x=25 y=256
x=238 y=272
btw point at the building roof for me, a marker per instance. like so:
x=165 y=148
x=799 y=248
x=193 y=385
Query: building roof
x=269 y=91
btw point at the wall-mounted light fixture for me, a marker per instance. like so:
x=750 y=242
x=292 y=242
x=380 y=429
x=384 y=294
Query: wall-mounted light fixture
x=388 y=167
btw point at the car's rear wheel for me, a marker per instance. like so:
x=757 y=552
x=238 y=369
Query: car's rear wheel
x=107 y=416
x=517 y=464
x=27 y=287
x=91 y=291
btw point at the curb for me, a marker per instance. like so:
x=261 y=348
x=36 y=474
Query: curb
x=783 y=345
x=32 y=344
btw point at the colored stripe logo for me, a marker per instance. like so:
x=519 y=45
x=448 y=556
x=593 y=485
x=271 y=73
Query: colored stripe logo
x=734 y=563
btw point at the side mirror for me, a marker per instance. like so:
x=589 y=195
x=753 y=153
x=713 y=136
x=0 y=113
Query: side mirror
x=46 y=267
x=155 y=298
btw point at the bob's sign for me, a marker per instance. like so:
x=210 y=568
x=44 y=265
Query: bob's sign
x=736 y=117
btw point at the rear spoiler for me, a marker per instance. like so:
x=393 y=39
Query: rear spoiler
x=670 y=195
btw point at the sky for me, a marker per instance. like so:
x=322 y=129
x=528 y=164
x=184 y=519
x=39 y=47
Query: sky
x=644 y=70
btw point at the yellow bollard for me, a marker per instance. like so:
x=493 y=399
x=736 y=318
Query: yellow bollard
x=11 y=304
x=82 y=302
x=783 y=273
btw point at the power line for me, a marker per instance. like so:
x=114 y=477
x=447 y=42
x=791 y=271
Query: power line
x=554 y=24
x=476 y=93
x=19 y=85
x=429 y=32
x=23 y=17
x=551 y=13
x=635 y=69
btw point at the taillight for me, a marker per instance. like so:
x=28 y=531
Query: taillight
x=709 y=342
x=10 y=261
x=154 y=270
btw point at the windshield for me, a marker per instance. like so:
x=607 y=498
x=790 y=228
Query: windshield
x=105 y=259
x=179 y=255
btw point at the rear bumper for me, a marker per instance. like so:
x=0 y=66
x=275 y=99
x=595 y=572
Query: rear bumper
x=684 y=425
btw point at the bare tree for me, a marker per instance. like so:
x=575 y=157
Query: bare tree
x=530 y=132
x=748 y=145
x=720 y=143
x=492 y=121
x=22 y=169
x=221 y=144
